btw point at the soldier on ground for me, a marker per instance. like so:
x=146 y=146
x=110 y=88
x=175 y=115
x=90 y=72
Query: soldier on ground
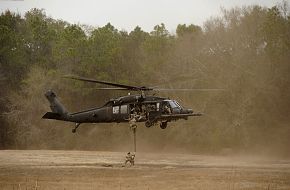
x=130 y=158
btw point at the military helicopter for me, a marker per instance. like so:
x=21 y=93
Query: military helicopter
x=152 y=110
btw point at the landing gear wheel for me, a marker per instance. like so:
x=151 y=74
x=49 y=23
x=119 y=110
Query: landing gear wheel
x=163 y=125
x=148 y=124
x=73 y=130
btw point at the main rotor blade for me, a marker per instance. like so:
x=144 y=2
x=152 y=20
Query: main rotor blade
x=125 y=87
x=110 y=89
x=188 y=89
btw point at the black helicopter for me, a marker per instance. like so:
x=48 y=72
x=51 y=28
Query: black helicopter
x=152 y=110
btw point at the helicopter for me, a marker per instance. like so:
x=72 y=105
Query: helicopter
x=150 y=109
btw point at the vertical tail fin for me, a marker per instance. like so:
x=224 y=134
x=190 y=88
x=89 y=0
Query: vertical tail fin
x=55 y=105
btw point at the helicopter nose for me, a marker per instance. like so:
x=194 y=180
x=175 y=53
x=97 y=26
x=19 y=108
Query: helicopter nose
x=189 y=111
x=186 y=111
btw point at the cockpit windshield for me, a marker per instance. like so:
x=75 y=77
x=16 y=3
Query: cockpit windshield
x=178 y=104
x=174 y=104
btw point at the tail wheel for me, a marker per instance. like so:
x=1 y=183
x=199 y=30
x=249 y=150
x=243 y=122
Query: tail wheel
x=75 y=128
x=163 y=125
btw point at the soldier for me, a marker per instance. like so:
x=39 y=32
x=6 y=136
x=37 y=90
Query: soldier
x=130 y=158
x=166 y=108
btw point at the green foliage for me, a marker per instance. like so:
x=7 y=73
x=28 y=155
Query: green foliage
x=245 y=50
x=11 y=46
x=191 y=29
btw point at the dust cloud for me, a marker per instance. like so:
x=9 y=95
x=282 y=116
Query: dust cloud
x=244 y=51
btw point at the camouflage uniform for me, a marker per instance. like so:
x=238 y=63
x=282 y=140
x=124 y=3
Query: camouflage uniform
x=130 y=158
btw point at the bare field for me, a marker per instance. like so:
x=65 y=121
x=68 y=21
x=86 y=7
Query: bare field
x=43 y=169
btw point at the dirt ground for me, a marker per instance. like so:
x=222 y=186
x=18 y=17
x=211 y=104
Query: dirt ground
x=43 y=169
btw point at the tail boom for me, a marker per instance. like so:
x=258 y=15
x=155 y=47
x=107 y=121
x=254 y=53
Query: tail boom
x=58 y=110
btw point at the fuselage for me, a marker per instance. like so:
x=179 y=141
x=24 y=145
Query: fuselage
x=123 y=108
x=136 y=108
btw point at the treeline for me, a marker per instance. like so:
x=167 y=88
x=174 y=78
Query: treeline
x=245 y=51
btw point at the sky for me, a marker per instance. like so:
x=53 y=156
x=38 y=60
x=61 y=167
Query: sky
x=127 y=14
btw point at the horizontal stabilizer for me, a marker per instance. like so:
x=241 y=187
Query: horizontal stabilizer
x=51 y=115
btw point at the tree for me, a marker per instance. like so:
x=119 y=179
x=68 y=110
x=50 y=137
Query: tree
x=191 y=29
